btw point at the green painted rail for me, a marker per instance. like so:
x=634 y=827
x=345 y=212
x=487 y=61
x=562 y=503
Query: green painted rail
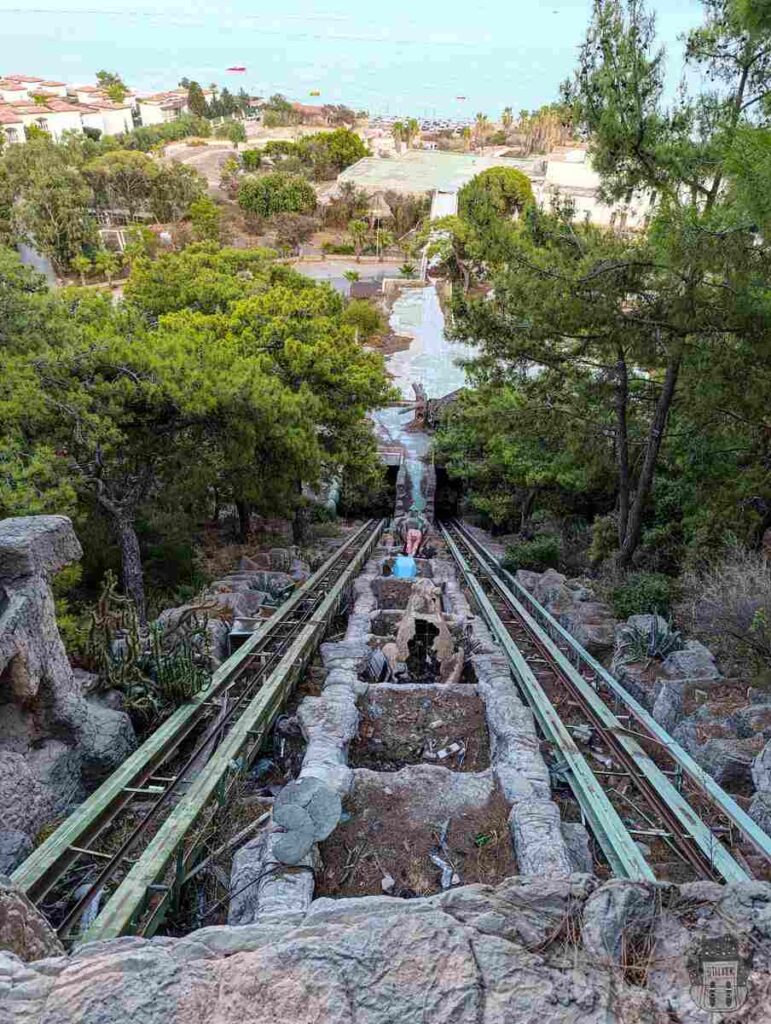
x=144 y=883
x=623 y=854
x=46 y=864
x=713 y=851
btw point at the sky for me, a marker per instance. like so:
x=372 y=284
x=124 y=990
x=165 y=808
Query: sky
x=401 y=57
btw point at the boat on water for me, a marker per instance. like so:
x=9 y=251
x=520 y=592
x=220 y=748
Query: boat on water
x=236 y=67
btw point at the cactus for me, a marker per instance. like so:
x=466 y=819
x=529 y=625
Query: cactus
x=638 y=645
x=155 y=669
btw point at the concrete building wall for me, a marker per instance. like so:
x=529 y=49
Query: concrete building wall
x=108 y=121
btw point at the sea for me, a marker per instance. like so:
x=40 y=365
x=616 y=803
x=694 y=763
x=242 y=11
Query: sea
x=435 y=59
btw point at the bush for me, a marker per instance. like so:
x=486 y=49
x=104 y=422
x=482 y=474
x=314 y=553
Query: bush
x=332 y=249
x=251 y=159
x=276 y=193
x=538 y=554
x=643 y=593
x=728 y=607
x=364 y=317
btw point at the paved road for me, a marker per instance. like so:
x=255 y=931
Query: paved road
x=333 y=271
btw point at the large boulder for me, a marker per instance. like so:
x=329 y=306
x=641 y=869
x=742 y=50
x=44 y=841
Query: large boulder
x=15 y=846
x=53 y=742
x=23 y=929
x=506 y=954
x=576 y=608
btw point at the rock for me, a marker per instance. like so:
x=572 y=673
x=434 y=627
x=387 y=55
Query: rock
x=25 y=803
x=759 y=811
x=575 y=607
x=254 y=563
x=538 y=841
x=754 y=720
x=577 y=843
x=263 y=888
x=694 y=662
x=473 y=955
x=528 y=579
x=728 y=761
x=299 y=570
x=761 y=769
x=23 y=929
x=15 y=846
x=52 y=741
x=36 y=546
x=615 y=915
x=280 y=559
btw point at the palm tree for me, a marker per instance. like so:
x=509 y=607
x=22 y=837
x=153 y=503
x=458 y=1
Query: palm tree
x=407 y=269
x=507 y=119
x=399 y=131
x=412 y=129
x=81 y=264
x=107 y=263
x=352 y=275
x=466 y=133
x=358 y=230
x=385 y=240
x=481 y=125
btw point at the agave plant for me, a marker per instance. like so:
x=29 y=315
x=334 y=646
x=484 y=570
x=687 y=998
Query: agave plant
x=657 y=641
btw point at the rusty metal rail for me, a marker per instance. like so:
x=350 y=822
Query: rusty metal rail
x=568 y=672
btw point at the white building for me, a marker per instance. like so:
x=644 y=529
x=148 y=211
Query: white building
x=11 y=124
x=55 y=116
x=107 y=117
x=570 y=175
x=163 y=107
x=52 y=88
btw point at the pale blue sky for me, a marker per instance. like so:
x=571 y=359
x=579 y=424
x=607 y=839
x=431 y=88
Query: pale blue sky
x=401 y=57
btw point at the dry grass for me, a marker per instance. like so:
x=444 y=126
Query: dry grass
x=729 y=609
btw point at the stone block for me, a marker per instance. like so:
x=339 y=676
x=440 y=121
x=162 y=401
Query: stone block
x=32 y=545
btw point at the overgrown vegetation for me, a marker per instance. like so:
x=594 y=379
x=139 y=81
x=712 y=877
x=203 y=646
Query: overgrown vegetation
x=538 y=554
x=221 y=378
x=623 y=376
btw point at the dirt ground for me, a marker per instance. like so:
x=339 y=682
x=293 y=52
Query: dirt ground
x=398 y=728
x=380 y=839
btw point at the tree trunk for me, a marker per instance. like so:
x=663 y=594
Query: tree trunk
x=526 y=510
x=622 y=445
x=653 y=447
x=131 y=564
x=244 y=520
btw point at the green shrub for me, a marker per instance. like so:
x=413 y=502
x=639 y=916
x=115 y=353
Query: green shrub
x=251 y=159
x=332 y=249
x=276 y=193
x=643 y=593
x=604 y=538
x=364 y=317
x=538 y=554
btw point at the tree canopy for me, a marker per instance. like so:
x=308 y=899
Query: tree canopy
x=624 y=341
x=222 y=376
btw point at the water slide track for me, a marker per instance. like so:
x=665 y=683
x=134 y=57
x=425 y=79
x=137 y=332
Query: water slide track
x=123 y=819
x=632 y=773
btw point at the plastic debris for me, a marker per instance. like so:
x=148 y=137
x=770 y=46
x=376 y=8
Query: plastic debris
x=583 y=733
x=445 y=752
x=449 y=877
x=263 y=766
x=387 y=883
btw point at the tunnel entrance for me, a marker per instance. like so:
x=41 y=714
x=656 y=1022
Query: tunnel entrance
x=448 y=495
